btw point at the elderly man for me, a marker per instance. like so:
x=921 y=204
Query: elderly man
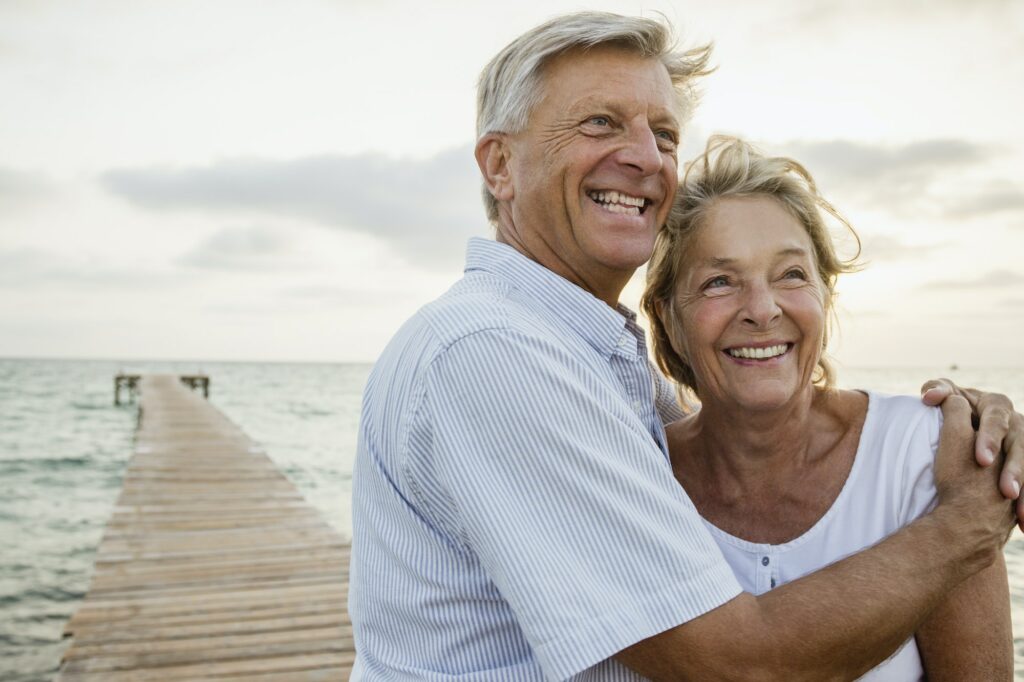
x=515 y=517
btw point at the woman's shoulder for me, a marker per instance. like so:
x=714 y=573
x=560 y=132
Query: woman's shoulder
x=901 y=414
x=900 y=437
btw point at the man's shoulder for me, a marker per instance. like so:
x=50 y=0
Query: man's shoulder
x=475 y=303
x=480 y=306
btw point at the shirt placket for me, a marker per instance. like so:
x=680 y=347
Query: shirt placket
x=766 y=569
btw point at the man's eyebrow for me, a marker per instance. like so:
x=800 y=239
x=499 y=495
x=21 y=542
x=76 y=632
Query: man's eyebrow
x=591 y=102
x=659 y=116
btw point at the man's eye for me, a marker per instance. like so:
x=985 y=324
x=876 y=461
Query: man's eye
x=599 y=120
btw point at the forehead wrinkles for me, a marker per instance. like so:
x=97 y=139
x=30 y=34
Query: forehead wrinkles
x=611 y=71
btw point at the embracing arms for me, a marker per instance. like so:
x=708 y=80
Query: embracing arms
x=967 y=638
x=841 y=621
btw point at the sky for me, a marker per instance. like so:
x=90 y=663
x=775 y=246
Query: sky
x=291 y=181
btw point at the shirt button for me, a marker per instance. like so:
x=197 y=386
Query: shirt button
x=764 y=561
x=637 y=405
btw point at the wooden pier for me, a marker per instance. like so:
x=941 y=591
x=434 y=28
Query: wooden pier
x=212 y=567
x=130 y=384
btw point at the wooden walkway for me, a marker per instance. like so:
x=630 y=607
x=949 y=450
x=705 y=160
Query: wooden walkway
x=213 y=567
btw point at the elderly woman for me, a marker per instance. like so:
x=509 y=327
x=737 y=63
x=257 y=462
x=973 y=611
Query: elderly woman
x=789 y=473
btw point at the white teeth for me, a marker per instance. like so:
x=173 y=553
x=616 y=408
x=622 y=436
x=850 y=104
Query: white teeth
x=758 y=353
x=612 y=200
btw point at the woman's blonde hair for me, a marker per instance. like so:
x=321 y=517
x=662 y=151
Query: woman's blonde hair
x=730 y=167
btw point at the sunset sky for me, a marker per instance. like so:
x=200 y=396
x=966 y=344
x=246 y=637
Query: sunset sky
x=290 y=181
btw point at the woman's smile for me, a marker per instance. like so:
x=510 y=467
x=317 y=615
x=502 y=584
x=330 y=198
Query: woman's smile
x=752 y=305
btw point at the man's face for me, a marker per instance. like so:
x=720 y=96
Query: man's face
x=594 y=172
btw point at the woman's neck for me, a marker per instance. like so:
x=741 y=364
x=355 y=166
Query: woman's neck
x=768 y=476
x=749 y=444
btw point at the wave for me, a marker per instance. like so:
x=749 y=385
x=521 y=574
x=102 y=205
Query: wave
x=53 y=594
x=9 y=639
x=91 y=406
x=47 y=463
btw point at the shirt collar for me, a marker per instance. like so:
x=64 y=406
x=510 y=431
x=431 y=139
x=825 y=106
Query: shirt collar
x=608 y=330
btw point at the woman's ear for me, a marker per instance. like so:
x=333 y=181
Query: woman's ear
x=493 y=155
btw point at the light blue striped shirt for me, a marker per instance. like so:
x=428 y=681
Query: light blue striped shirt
x=515 y=516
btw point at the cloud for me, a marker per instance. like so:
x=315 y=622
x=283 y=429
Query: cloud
x=26 y=268
x=824 y=12
x=883 y=247
x=900 y=178
x=424 y=208
x=868 y=313
x=845 y=163
x=348 y=296
x=1002 y=198
x=995 y=278
x=237 y=249
x=19 y=187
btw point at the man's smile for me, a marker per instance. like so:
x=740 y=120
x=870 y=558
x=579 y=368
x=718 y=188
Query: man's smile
x=618 y=202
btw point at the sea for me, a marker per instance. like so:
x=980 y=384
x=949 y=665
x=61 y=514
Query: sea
x=64 y=446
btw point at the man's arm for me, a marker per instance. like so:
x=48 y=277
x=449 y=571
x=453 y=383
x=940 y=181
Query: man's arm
x=1000 y=428
x=968 y=638
x=842 y=621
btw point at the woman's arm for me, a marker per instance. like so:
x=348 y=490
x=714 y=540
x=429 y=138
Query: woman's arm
x=967 y=637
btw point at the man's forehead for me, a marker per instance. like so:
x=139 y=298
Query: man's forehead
x=561 y=73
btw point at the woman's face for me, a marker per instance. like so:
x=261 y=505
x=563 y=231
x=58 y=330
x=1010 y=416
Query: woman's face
x=749 y=305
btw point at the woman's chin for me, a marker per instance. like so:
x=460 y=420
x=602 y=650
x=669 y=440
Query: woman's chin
x=764 y=398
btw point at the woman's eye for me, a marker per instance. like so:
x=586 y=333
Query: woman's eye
x=717 y=282
x=796 y=273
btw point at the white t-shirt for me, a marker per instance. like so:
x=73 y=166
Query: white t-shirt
x=890 y=484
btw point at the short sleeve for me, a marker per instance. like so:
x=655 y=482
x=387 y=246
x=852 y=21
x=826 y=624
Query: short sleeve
x=565 y=500
x=919 y=495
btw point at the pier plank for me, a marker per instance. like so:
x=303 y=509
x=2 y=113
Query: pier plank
x=212 y=565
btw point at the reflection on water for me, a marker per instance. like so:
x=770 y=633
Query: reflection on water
x=63 y=447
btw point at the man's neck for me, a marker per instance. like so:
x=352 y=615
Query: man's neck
x=607 y=287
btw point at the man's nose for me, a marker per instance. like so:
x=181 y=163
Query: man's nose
x=641 y=150
x=760 y=308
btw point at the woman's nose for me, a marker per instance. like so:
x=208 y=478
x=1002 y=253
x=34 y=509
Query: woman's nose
x=759 y=305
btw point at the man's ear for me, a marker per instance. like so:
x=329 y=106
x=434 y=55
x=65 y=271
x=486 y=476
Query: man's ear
x=493 y=154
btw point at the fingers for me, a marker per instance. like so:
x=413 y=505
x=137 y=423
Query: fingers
x=1013 y=466
x=956 y=409
x=993 y=428
x=956 y=441
x=935 y=391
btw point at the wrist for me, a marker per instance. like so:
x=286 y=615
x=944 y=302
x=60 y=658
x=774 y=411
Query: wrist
x=963 y=546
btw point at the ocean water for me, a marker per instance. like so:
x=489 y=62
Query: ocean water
x=63 y=447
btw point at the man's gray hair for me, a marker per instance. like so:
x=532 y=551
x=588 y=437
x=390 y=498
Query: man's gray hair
x=511 y=84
